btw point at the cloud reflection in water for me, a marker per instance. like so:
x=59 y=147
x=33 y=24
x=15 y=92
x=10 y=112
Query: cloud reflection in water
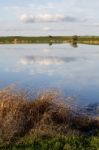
x=46 y=60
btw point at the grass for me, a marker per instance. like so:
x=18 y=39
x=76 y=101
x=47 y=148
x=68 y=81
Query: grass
x=50 y=39
x=58 y=143
x=42 y=39
x=44 y=124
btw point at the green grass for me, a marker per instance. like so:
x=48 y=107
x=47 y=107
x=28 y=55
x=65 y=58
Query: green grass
x=58 y=143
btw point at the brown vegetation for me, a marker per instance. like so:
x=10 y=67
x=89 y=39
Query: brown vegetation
x=47 y=116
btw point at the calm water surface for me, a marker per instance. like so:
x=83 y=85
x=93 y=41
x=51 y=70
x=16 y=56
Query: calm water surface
x=74 y=71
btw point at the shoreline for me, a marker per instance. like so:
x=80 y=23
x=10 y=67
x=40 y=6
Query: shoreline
x=93 y=40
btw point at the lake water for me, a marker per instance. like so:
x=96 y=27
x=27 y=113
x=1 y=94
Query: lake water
x=74 y=71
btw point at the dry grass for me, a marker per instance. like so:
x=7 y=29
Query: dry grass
x=46 y=116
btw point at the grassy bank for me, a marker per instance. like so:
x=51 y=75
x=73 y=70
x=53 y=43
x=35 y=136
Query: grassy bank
x=43 y=39
x=47 y=123
x=50 y=39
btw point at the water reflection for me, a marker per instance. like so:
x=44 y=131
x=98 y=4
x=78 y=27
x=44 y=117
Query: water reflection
x=90 y=110
x=50 y=44
x=74 y=72
x=46 y=60
x=75 y=45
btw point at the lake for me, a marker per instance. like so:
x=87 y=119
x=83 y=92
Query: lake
x=72 y=71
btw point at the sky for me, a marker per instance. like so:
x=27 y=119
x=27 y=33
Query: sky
x=44 y=17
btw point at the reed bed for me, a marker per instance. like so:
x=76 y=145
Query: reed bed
x=48 y=116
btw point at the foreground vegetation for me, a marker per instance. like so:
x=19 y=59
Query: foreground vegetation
x=58 y=143
x=50 y=39
x=48 y=123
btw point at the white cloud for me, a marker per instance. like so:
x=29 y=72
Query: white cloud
x=47 y=17
x=50 y=17
x=26 y=18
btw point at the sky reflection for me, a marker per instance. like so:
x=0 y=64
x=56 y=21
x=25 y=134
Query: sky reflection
x=73 y=71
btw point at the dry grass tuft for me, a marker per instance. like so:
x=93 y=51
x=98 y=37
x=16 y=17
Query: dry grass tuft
x=46 y=116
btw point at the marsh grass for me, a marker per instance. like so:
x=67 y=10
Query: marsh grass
x=22 y=121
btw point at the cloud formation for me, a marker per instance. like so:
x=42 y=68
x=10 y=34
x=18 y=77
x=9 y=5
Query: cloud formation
x=79 y=16
x=47 y=18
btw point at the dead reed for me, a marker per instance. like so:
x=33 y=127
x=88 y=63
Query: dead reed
x=47 y=116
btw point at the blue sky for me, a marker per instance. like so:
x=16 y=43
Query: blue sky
x=44 y=17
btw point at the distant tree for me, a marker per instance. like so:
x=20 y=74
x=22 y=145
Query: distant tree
x=50 y=36
x=75 y=38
